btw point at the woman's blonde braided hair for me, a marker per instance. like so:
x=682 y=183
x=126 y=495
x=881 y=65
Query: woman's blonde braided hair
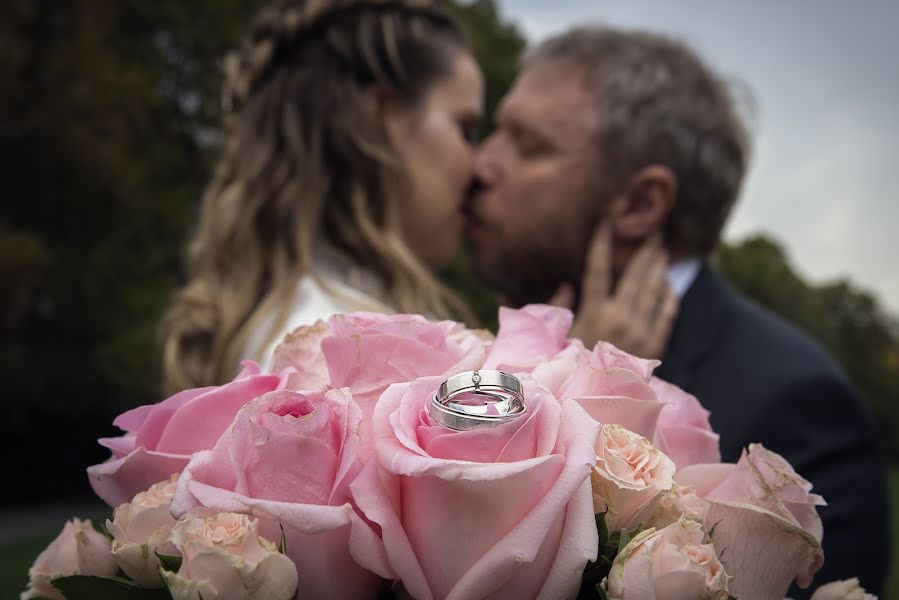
x=306 y=162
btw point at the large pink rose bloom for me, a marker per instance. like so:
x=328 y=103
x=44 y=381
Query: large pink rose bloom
x=755 y=505
x=161 y=437
x=617 y=387
x=529 y=336
x=610 y=384
x=367 y=352
x=500 y=513
x=683 y=431
x=288 y=460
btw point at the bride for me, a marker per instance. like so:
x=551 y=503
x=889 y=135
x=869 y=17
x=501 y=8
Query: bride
x=349 y=137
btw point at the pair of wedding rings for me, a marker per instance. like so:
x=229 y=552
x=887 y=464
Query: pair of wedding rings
x=476 y=399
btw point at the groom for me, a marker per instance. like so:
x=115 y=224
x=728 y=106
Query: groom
x=633 y=131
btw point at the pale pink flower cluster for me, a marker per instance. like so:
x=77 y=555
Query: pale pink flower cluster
x=336 y=456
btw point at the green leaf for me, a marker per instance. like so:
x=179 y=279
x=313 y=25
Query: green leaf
x=93 y=587
x=169 y=562
x=593 y=575
x=623 y=541
x=712 y=531
x=282 y=543
x=602 y=529
x=603 y=595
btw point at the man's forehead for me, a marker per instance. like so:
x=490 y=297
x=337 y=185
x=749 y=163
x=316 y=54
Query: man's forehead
x=554 y=98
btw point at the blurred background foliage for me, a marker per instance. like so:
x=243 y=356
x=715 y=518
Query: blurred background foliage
x=107 y=131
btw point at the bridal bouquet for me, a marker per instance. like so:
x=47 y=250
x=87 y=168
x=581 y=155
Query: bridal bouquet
x=574 y=473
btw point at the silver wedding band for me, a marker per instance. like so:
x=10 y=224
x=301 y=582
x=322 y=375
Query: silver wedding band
x=503 y=400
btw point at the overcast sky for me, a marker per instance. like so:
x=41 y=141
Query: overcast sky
x=825 y=78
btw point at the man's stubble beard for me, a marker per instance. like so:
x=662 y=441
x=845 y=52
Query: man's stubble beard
x=532 y=273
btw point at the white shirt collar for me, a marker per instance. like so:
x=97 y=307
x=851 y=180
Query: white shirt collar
x=681 y=274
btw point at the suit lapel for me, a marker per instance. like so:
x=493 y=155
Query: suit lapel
x=696 y=330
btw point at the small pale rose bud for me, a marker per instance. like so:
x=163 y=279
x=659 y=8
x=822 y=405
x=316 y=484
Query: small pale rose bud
x=224 y=557
x=671 y=563
x=845 y=589
x=140 y=529
x=78 y=550
x=629 y=473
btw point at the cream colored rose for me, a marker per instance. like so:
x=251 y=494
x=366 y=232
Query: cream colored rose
x=845 y=589
x=671 y=563
x=78 y=550
x=224 y=557
x=140 y=529
x=629 y=473
x=680 y=500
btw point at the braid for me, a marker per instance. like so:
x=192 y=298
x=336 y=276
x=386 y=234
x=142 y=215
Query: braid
x=288 y=22
x=306 y=163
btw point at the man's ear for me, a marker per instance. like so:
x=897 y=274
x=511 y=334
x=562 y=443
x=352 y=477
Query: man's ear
x=641 y=207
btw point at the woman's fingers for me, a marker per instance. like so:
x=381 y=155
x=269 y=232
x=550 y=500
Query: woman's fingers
x=639 y=316
x=633 y=279
x=597 y=279
x=564 y=297
x=654 y=287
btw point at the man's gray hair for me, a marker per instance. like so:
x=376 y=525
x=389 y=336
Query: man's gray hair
x=660 y=105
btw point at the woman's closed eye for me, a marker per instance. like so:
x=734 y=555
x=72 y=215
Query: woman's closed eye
x=470 y=127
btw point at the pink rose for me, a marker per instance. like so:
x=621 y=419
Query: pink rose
x=223 y=556
x=288 y=459
x=502 y=512
x=78 y=550
x=301 y=350
x=669 y=564
x=847 y=589
x=161 y=437
x=367 y=352
x=628 y=476
x=612 y=385
x=756 y=504
x=529 y=336
x=141 y=528
x=683 y=431
x=616 y=387
x=679 y=501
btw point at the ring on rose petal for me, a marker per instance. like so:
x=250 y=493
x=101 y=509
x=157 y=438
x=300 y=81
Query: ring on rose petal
x=491 y=399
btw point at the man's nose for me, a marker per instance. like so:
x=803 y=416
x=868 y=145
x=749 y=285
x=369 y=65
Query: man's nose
x=486 y=163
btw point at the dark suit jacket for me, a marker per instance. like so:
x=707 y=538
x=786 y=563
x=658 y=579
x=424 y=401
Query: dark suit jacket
x=765 y=381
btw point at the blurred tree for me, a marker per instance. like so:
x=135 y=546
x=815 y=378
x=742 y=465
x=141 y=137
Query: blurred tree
x=497 y=45
x=107 y=126
x=846 y=320
x=103 y=156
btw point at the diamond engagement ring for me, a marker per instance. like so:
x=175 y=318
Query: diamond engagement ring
x=476 y=399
